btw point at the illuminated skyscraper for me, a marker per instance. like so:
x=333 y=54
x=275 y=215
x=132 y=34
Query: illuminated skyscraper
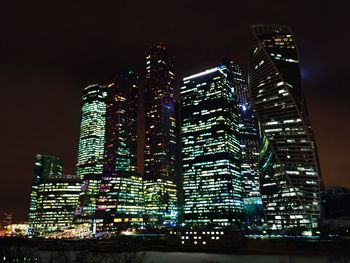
x=44 y=167
x=160 y=141
x=212 y=183
x=120 y=202
x=249 y=142
x=57 y=197
x=289 y=171
x=91 y=149
x=92 y=131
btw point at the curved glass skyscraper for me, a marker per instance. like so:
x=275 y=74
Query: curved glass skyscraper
x=288 y=163
x=92 y=131
x=91 y=150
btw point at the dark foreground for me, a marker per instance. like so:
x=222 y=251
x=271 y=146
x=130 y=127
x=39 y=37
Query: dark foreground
x=131 y=250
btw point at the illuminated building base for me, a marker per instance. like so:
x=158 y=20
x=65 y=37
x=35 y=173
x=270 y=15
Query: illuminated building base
x=160 y=203
x=121 y=204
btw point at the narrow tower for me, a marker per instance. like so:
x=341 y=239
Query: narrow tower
x=249 y=143
x=160 y=141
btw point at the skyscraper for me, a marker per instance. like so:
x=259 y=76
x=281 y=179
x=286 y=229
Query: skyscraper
x=120 y=202
x=249 y=143
x=289 y=171
x=44 y=167
x=212 y=182
x=57 y=197
x=160 y=140
x=92 y=131
x=91 y=150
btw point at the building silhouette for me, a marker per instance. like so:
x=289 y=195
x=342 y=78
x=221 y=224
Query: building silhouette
x=336 y=203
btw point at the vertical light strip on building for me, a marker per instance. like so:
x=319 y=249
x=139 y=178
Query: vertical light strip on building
x=249 y=138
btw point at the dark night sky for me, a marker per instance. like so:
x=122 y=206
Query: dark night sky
x=49 y=52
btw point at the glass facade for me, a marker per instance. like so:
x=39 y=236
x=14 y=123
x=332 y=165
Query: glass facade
x=212 y=183
x=57 y=197
x=288 y=163
x=249 y=143
x=92 y=131
x=120 y=195
x=91 y=149
x=160 y=139
x=44 y=167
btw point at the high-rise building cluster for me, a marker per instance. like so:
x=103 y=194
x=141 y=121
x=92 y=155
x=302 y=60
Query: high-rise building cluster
x=228 y=151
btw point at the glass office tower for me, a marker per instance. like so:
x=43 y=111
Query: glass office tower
x=91 y=149
x=57 y=197
x=288 y=163
x=160 y=140
x=120 y=202
x=92 y=131
x=212 y=183
x=44 y=167
x=249 y=139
